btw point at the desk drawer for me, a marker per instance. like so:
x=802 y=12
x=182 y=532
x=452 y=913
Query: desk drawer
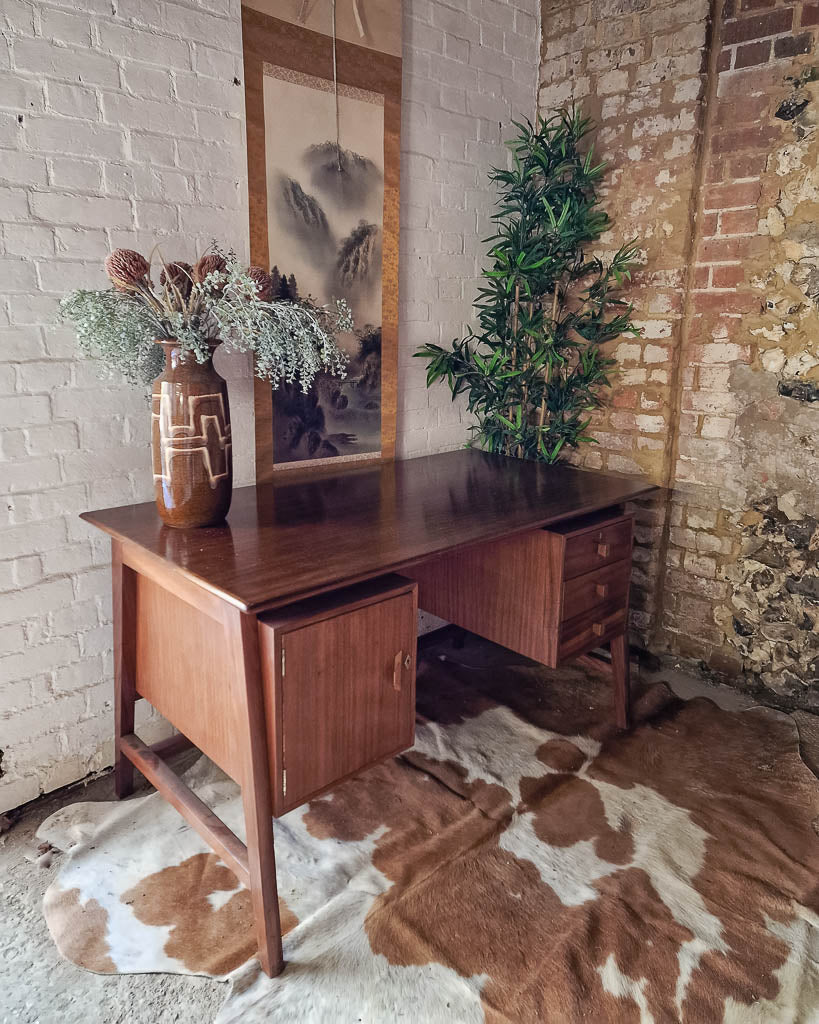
x=340 y=678
x=591 y=628
x=593 y=589
x=599 y=546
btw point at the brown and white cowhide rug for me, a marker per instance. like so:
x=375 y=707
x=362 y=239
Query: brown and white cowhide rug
x=524 y=862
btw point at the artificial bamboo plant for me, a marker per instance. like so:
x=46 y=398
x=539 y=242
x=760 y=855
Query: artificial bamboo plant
x=534 y=370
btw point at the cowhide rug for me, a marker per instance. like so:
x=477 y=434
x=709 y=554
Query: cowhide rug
x=524 y=862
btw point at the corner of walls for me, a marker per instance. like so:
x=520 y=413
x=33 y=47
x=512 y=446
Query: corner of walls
x=707 y=116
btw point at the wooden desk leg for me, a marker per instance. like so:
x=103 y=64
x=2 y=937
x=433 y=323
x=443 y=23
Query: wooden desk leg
x=620 y=679
x=243 y=636
x=123 y=580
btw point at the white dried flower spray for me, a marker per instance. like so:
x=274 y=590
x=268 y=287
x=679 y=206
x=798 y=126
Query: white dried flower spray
x=113 y=327
x=216 y=300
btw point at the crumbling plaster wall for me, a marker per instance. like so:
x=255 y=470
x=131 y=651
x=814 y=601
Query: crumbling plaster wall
x=708 y=122
x=774 y=623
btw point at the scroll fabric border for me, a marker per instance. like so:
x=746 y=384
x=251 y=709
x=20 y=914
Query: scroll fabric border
x=269 y=40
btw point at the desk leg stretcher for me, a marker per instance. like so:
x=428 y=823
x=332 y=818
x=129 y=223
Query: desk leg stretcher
x=225 y=843
x=249 y=866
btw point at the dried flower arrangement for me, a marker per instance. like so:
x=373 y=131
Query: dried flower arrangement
x=215 y=300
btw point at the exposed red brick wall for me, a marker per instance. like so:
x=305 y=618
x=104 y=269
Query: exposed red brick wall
x=686 y=95
x=637 y=67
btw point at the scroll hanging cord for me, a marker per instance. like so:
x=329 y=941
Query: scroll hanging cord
x=335 y=91
x=302 y=18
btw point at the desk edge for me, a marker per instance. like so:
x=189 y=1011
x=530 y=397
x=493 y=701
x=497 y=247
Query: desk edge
x=258 y=607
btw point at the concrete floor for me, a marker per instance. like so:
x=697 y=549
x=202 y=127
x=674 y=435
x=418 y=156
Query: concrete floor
x=38 y=987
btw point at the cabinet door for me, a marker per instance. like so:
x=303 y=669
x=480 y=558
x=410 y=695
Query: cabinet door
x=347 y=694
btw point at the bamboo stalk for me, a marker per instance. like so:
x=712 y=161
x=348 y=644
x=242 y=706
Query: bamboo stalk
x=515 y=316
x=530 y=308
x=542 y=416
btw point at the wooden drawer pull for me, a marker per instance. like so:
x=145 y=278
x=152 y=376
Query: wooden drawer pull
x=396 y=672
x=603 y=550
x=602 y=590
x=598 y=629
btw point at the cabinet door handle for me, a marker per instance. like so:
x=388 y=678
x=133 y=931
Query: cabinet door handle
x=602 y=589
x=396 y=672
x=603 y=550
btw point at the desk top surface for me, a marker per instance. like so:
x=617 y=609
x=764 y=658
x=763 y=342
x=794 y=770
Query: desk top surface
x=309 y=532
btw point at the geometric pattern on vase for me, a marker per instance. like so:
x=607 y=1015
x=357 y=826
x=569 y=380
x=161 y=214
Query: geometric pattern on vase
x=205 y=435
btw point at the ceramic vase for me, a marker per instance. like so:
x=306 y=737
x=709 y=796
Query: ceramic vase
x=191 y=443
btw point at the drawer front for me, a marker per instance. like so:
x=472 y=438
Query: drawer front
x=591 y=629
x=601 y=546
x=593 y=589
x=347 y=695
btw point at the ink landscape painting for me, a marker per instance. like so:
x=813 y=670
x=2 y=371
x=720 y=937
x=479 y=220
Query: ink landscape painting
x=325 y=198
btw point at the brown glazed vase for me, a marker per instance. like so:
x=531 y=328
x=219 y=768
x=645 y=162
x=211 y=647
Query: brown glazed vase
x=190 y=436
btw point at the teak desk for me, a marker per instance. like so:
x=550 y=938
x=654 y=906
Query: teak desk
x=282 y=644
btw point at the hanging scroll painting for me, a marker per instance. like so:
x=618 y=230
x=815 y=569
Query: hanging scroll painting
x=323 y=167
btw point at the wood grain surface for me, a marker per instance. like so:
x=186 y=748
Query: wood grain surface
x=508 y=590
x=611 y=582
x=182 y=669
x=340 y=678
x=309 y=532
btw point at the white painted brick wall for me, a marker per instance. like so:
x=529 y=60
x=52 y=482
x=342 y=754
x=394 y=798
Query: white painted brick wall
x=101 y=114
x=121 y=124
x=469 y=66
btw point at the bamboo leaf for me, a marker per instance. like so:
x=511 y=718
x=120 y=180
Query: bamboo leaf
x=547 y=301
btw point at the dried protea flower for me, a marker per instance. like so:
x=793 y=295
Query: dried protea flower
x=210 y=263
x=263 y=282
x=179 y=276
x=127 y=269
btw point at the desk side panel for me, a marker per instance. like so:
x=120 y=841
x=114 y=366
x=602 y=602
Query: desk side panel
x=507 y=591
x=183 y=670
